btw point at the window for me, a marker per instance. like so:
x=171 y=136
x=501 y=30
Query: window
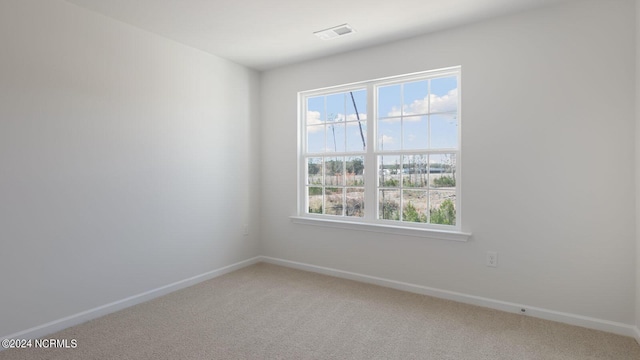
x=383 y=152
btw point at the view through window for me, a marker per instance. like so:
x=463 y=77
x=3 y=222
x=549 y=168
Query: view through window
x=406 y=128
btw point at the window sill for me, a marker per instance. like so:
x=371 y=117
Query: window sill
x=383 y=228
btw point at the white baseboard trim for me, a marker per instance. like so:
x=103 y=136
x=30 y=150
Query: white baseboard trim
x=84 y=316
x=572 y=319
x=567 y=318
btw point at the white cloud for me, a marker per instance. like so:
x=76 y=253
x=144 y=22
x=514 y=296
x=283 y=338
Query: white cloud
x=387 y=139
x=394 y=112
x=445 y=103
x=353 y=117
x=313 y=118
x=448 y=102
x=350 y=117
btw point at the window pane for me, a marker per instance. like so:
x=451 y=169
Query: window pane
x=414 y=138
x=389 y=134
x=355 y=202
x=355 y=171
x=314 y=199
x=444 y=131
x=416 y=100
x=333 y=167
x=389 y=101
x=360 y=97
x=315 y=139
x=414 y=208
x=443 y=196
x=315 y=110
x=389 y=171
x=356 y=138
x=333 y=201
x=336 y=107
x=415 y=132
x=414 y=171
x=335 y=137
x=442 y=171
x=389 y=204
x=444 y=94
x=314 y=171
x=442 y=207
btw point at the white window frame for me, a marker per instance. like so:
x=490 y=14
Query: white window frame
x=370 y=221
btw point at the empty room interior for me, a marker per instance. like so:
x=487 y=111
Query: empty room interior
x=216 y=179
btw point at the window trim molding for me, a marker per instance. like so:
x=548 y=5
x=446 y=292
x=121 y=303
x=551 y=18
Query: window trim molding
x=446 y=232
x=382 y=228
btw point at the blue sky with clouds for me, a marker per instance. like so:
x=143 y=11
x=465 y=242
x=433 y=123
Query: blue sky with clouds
x=403 y=123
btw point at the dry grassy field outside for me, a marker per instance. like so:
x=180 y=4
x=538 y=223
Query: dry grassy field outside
x=420 y=196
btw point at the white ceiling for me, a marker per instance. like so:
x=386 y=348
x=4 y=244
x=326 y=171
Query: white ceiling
x=263 y=34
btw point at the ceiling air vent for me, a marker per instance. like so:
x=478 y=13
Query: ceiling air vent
x=334 y=32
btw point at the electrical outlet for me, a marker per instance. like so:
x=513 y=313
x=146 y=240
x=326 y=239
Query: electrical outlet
x=492 y=259
x=245 y=229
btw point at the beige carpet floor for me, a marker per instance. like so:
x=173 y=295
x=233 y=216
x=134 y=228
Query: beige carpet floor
x=270 y=312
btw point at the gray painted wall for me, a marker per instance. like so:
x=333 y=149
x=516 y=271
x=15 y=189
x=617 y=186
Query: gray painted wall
x=127 y=162
x=550 y=88
x=637 y=165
